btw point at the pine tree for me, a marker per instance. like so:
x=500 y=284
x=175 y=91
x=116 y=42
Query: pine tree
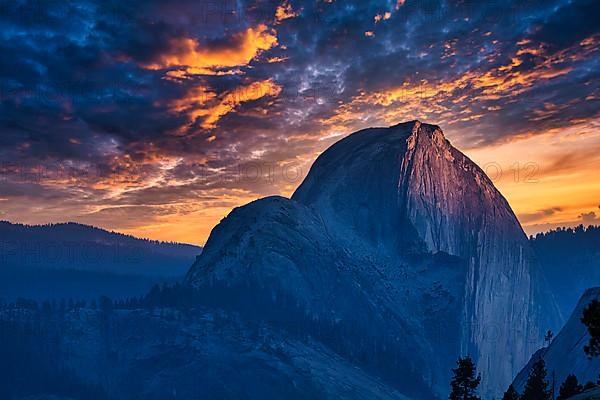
x=570 y=387
x=591 y=319
x=536 y=387
x=464 y=383
x=511 y=394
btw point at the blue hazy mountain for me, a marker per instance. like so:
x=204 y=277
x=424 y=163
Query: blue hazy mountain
x=80 y=261
x=570 y=258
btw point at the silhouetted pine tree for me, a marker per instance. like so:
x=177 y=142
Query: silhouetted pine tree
x=570 y=387
x=591 y=319
x=536 y=387
x=511 y=394
x=464 y=383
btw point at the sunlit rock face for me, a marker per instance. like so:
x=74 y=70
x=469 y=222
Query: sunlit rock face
x=394 y=230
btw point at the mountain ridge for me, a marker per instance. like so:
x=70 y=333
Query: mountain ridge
x=4 y=224
x=81 y=261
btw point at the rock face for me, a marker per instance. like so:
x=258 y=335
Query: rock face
x=394 y=230
x=407 y=184
x=565 y=355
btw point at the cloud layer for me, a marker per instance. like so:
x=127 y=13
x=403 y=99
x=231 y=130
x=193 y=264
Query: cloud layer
x=156 y=118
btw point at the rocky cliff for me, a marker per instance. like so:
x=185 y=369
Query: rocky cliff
x=406 y=185
x=394 y=234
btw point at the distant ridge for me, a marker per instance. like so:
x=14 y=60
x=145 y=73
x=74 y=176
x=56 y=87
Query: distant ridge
x=70 y=259
x=83 y=228
x=570 y=258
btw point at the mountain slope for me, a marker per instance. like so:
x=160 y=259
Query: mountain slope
x=565 y=354
x=275 y=260
x=393 y=230
x=172 y=355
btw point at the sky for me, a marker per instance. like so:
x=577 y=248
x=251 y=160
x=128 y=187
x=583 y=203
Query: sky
x=156 y=118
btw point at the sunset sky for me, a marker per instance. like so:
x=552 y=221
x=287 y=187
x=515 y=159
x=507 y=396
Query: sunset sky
x=157 y=118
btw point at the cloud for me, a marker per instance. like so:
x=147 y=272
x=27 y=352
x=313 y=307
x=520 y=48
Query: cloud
x=284 y=11
x=204 y=104
x=539 y=215
x=462 y=98
x=589 y=218
x=196 y=58
x=157 y=92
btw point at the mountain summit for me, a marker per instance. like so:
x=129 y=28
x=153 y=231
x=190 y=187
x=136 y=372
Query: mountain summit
x=402 y=249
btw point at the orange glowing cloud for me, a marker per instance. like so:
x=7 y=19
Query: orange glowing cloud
x=277 y=59
x=379 y=17
x=197 y=97
x=196 y=59
x=446 y=101
x=203 y=103
x=284 y=11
